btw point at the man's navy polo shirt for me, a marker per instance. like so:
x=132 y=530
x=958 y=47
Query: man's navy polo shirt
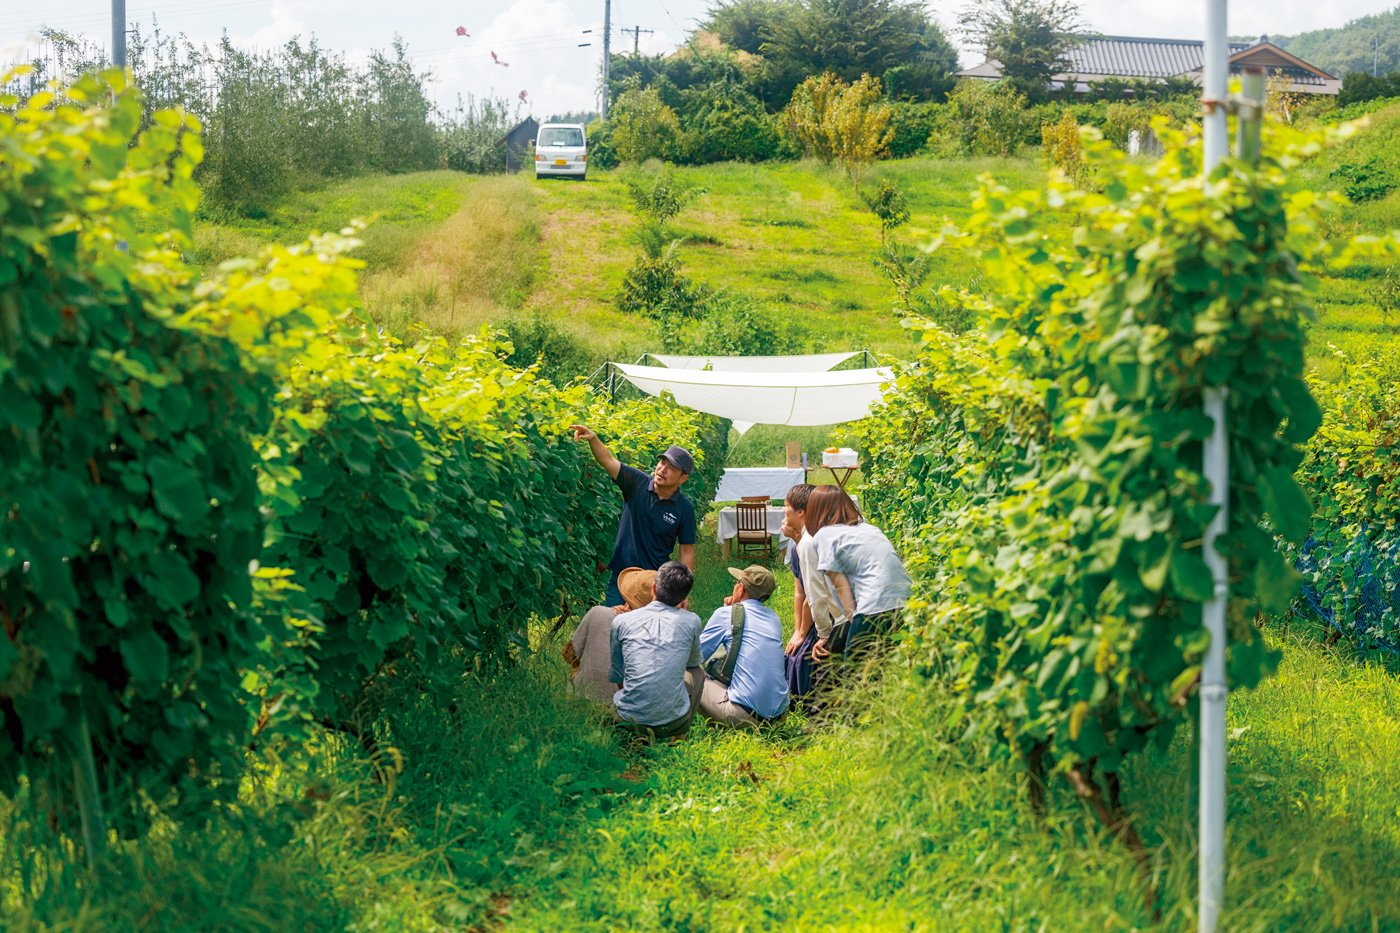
x=650 y=526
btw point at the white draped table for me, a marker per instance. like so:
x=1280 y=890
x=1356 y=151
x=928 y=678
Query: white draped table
x=773 y=482
x=727 y=527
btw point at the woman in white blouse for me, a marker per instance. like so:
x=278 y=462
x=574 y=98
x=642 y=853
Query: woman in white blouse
x=863 y=569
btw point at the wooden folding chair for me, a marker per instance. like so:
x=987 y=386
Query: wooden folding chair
x=752 y=515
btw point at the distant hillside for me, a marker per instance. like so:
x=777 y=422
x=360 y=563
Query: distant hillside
x=1351 y=47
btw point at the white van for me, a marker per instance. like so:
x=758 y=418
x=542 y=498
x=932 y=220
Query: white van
x=560 y=149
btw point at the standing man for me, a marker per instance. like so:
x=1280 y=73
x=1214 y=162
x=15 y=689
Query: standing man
x=655 y=515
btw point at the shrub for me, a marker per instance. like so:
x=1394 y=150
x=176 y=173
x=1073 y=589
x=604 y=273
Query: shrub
x=1351 y=561
x=889 y=204
x=848 y=123
x=1121 y=120
x=725 y=122
x=911 y=125
x=470 y=132
x=642 y=126
x=537 y=340
x=602 y=152
x=1064 y=150
x=805 y=116
x=858 y=124
x=1367 y=180
x=983 y=118
x=128 y=495
x=732 y=325
x=656 y=288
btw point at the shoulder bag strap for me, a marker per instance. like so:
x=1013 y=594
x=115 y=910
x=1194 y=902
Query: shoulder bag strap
x=736 y=628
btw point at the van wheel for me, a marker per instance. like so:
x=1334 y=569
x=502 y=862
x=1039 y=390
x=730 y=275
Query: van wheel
x=583 y=177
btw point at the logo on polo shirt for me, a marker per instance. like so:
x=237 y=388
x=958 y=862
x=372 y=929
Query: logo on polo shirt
x=670 y=517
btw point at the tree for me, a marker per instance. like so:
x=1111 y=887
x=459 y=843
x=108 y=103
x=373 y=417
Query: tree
x=858 y=125
x=851 y=38
x=848 y=123
x=643 y=126
x=1030 y=38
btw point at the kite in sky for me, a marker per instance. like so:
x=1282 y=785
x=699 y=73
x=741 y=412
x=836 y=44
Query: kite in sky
x=462 y=31
x=522 y=97
x=498 y=61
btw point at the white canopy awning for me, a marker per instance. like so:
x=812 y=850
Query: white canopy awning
x=812 y=363
x=767 y=398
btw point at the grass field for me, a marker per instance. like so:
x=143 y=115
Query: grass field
x=500 y=802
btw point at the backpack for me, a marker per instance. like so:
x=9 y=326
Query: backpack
x=720 y=665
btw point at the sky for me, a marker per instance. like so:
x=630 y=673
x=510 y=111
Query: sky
x=541 y=42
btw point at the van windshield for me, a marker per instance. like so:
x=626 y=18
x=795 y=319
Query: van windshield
x=561 y=136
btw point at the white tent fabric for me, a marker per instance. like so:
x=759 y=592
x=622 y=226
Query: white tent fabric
x=767 y=398
x=813 y=363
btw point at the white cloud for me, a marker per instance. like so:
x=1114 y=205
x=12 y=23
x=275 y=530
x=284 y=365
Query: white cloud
x=539 y=43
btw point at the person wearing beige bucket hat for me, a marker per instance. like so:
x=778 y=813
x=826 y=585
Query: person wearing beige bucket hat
x=589 y=652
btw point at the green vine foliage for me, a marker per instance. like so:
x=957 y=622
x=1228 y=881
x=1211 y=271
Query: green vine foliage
x=128 y=497
x=232 y=505
x=1352 y=468
x=1046 y=470
x=639 y=431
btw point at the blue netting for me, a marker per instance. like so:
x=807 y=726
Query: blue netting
x=1354 y=586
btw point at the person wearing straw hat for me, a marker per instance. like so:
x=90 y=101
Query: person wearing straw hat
x=656 y=516
x=590 y=650
x=746 y=678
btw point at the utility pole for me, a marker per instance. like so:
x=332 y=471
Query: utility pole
x=607 y=55
x=636 y=32
x=119 y=33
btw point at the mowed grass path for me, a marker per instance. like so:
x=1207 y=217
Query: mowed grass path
x=795 y=236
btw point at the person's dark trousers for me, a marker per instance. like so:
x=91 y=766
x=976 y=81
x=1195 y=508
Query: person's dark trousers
x=870 y=634
x=613 y=597
x=854 y=644
x=799 y=667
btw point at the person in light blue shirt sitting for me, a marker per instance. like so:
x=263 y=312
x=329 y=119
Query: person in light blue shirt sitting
x=757 y=690
x=655 y=659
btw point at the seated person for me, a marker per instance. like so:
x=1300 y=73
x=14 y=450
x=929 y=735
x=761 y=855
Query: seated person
x=590 y=650
x=656 y=659
x=758 y=690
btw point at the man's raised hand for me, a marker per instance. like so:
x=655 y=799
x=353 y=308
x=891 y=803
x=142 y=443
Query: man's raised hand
x=582 y=432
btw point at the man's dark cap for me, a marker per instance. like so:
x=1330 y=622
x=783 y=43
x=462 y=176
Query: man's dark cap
x=680 y=458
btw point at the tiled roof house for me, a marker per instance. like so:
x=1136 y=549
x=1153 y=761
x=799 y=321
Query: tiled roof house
x=1099 y=57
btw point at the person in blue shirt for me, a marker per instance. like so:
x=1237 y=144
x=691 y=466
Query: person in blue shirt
x=655 y=515
x=758 y=690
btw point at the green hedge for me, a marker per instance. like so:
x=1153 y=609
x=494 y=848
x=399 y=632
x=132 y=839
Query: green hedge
x=1045 y=472
x=128 y=497
x=233 y=505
